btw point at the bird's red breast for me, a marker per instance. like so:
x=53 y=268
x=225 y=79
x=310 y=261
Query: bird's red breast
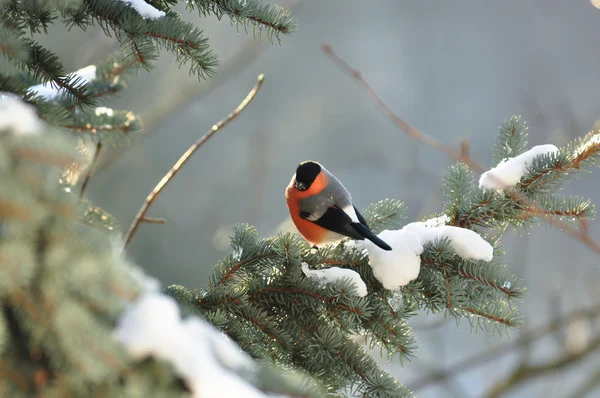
x=312 y=232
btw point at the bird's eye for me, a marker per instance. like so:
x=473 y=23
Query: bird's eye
x=300 y=186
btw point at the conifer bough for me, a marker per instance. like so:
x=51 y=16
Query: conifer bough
x=268 y=300
x=78 y=319
x=62 y=278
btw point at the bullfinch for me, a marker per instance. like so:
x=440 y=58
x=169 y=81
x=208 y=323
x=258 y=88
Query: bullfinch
x=322 y=209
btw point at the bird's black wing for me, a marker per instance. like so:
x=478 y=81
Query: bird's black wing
x=336 y=220
x=360 y=217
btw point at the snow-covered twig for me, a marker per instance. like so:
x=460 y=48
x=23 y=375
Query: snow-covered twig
x=51 y=92
x=510 y=171
x=18 y=116
x=204 y=357
x=333 y=274
x=144 y=9
x=402 y=264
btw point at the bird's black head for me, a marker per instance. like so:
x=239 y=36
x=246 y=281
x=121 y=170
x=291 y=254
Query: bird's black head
x=306 y=174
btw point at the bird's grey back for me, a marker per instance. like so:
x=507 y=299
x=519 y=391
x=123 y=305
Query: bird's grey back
x=335 y=194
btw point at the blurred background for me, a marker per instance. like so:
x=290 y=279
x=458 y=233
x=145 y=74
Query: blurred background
x=452 y=69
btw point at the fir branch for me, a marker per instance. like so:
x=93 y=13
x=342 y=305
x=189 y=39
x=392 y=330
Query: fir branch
x=506 y=320
x=569 y=207
x=232 y=271
x=510 y=140
x=391 y=331
x=12 y=44
x=476 y=273
x=170 y=32
x=385 y=214
x=97 y=217
x=109 y=126
x=272 y=18
x=185 y=157
x=549 y=171
x=43 y=65
x=31 y=14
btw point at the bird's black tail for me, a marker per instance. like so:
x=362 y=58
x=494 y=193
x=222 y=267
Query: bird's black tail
x=367 y=233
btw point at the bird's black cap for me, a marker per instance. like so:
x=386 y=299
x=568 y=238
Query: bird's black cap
x=306 y=174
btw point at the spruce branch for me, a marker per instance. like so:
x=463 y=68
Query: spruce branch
x=263 y=16
x=31 y=14
x=43 y=65
x=510 y=140
x=169 y=32
x=12 y=43
x=97 y=217
x=185 y=157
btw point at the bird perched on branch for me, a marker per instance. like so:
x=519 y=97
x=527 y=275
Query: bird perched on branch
x=322 y=209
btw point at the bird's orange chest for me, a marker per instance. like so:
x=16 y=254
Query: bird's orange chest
x=312 y=232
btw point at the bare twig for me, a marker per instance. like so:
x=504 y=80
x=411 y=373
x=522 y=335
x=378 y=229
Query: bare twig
x=528 y=337
x=588 y=386
x=141 y=215
x=92 y=168
x=527 y=371
x=461 y=156
x=154 y=220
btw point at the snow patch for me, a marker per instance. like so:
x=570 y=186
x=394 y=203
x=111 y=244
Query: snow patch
x=102 y=110
x=144 y=9
x=510 y=171
x=18 y=116
x=329 y=275
x=402 y=264
x=200 y=354
x=593 y=141
x=437 y=221
x=50 y=91
x=399 y=266
x=466 y=243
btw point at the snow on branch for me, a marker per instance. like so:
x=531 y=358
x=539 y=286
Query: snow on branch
x=402 y=264
x=50 y=91
x=333 y=274
x=18 y=116
x=205 y=358
x=144 y=9
x=509 y=172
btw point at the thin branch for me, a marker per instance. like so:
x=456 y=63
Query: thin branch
x=498 y=319
x=588 y=386
x=125 y=127
x=413 y=132
x=528 y=337
x=461 y=156
x=526 y=372
x=181 y=42
x=185 y=157
x=92 y=168
x=154 y=220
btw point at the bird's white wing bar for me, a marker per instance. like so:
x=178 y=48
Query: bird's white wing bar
x=351 y=212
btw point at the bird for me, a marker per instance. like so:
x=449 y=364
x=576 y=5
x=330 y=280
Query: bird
x=322 y=210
